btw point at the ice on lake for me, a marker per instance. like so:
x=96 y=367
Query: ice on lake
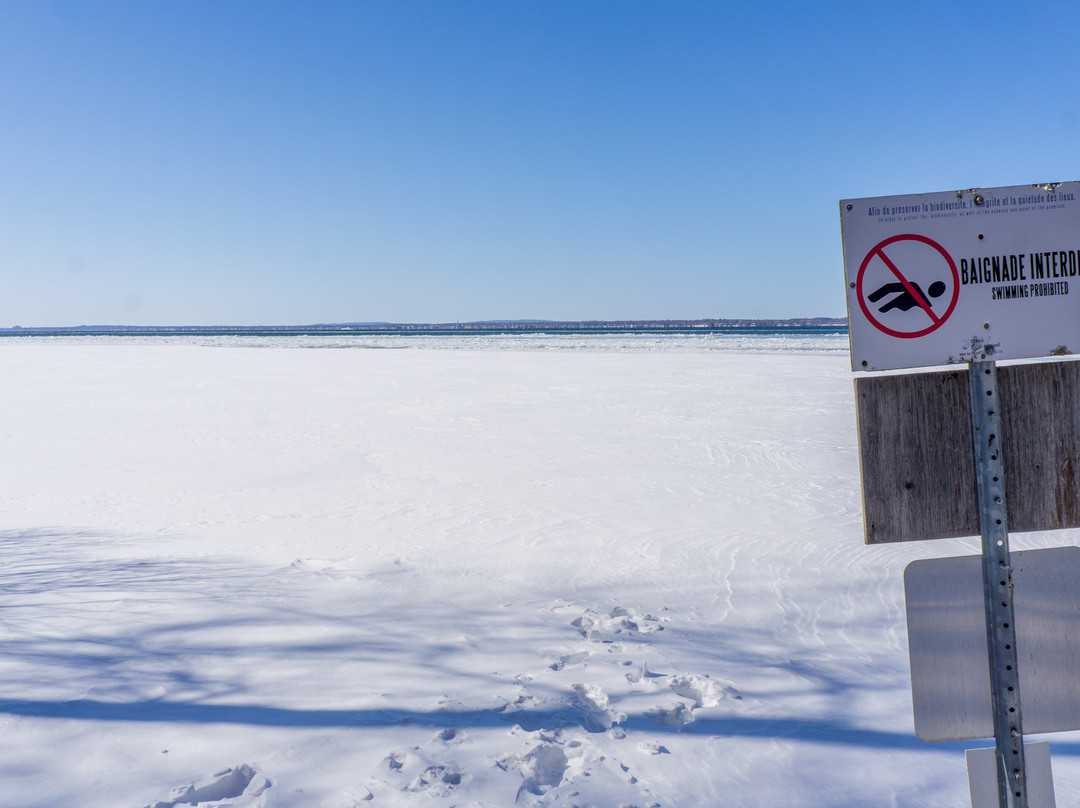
x=548 y=572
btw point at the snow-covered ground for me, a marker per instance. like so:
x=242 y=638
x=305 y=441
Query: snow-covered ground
x=451 y=573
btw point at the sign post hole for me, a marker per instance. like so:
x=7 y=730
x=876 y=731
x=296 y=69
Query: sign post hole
x=997 y=585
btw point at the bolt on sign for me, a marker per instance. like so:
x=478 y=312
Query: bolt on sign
x=962 y=276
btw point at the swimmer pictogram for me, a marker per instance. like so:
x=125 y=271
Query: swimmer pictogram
x=905 y=299
x=911 y=286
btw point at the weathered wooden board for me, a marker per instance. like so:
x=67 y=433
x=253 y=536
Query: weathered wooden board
x=916 y=453
x=916 y=458
x=1041 y=425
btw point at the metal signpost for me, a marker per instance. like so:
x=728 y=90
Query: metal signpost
x=967 y=276
x=998 y=586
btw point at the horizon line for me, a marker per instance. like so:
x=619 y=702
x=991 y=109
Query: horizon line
x=710 y=322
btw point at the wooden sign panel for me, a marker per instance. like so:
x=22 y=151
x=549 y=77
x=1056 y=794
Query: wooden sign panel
x=915 y=451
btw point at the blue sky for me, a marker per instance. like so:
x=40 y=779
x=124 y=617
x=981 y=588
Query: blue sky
x=281 y=162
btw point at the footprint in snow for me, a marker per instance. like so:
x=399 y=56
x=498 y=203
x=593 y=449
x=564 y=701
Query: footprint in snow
x=654 y=749
x=703 y=691
x=542 y=768
x=436 y=779
x=396 y=761
x=594 y=703
x=569 y=659
x=451 y=735
x=678 y=716
x=440 y=778
x=242 y=783
x=621 y=621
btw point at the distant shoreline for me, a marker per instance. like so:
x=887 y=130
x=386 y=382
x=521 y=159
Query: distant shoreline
x=487 y=326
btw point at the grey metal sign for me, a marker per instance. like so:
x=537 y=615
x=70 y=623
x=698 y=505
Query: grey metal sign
x=982 y=776
x=946 y=614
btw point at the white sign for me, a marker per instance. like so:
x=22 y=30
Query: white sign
x=983 y=783
x=960 y=276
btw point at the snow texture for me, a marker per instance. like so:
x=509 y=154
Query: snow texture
x=451 y=573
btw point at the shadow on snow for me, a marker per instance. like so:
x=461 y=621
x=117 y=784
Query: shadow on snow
x=55 y=573
x=811 y=731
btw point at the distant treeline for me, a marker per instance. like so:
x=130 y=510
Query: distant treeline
x=487 y=325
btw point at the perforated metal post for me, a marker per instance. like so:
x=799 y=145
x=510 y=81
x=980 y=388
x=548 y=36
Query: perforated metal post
x=997 y=586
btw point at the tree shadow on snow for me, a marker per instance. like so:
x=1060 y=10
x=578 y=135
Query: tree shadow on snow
x=812 y=731
x=77 y=612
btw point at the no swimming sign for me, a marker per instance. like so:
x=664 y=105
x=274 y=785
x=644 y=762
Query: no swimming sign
x=961 y=276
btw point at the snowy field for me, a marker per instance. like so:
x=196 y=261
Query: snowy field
x=545 y=571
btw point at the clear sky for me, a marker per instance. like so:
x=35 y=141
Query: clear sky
x=262 y=162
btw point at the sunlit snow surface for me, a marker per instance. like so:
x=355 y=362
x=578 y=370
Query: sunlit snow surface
x=466 y=571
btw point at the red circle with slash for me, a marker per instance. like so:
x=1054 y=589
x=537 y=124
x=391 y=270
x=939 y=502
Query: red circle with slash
x=910 y=289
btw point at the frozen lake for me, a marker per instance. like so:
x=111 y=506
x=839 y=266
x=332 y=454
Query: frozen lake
x=538 y=571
